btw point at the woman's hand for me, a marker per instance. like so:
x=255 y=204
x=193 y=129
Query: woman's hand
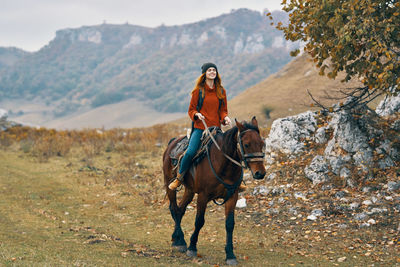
x=199 y=116
x=227 y=121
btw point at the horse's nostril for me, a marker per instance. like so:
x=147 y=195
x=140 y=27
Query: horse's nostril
x=259 y=175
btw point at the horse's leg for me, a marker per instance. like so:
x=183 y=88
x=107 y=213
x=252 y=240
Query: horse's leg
x=229 y=226
x=177 y=212
x=201 y=209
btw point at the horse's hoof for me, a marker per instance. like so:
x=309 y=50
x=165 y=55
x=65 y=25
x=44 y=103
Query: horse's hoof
x=191 y=253
x=179 y=248
x=231 y=262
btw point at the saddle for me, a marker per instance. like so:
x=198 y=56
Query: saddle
x=178 y=151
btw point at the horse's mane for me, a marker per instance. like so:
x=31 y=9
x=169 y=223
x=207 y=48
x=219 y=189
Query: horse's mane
x=228 y=140
x=251 y=127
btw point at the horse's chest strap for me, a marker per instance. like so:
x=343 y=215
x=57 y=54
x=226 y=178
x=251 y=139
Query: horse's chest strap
x=230 y=188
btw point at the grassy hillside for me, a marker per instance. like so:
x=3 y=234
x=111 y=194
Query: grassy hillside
x=285 y=92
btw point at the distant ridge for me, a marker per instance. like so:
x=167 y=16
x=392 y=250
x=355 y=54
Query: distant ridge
x=10 y=55
x=94 y=66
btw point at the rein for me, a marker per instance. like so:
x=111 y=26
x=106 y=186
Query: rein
x=231 y=188
x=216 y=144
x=246 y=157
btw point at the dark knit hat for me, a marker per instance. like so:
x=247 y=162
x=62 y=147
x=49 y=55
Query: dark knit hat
x=208 y=65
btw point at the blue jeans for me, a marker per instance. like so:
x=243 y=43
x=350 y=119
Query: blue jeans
x=194 y=144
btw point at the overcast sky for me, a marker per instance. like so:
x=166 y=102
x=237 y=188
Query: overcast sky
x=31 y=24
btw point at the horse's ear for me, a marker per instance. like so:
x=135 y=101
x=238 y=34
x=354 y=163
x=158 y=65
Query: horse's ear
x=239 y=125
x=254 y=121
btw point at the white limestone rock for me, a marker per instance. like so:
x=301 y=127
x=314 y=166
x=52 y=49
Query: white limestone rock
x=318 y=170
x=287 y=133
x=389 y=106
x=241 y=203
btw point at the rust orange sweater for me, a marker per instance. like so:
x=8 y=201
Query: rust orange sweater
x=209 y=108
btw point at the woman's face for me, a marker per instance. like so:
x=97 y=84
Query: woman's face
x=211 y=73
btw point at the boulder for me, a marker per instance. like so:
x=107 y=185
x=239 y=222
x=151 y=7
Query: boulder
x=354 y=141
x=286 y=134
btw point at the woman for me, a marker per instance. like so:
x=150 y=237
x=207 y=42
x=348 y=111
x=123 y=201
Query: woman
x=213 y=111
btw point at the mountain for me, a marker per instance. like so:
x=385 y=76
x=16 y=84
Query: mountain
x=10 y=55
x=94 y=66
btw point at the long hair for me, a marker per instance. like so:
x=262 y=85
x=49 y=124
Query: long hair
x=200 y=84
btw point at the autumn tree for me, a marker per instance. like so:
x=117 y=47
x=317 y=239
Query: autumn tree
x=359 y=37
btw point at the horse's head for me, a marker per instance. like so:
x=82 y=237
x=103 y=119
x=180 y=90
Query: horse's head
x=252 y=147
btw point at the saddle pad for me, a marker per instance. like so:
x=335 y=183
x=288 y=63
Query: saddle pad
x=182 y=145
x=205 y=141
x=179 y=148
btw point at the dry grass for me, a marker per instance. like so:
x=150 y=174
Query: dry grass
x=96 y=198
x=285 y=93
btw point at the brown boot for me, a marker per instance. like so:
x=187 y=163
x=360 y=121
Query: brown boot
x=177 y=182
x=174 y=184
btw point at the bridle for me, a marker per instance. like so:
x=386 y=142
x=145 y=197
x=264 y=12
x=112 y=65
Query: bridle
x=245 y=157
x=248 y=157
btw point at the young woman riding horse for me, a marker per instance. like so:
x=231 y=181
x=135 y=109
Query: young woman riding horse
x=218 y=176
x=213 y=111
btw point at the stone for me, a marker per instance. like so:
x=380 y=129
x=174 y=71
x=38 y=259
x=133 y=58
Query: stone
x=272 y=176
x=367 y=189
x=293 y=211
x=320 y=135
x=318 y=170
x=344 y=173
x=360 y=216
x=367 y=202
x=272 y=211
x=388 y=106
x=287 y=134
x=354 y=205
x=340 y=194
x=300 y=195
x=393 y=186
x=317 y=212
x=397 y=207
x=277 y=190
x=351 y=144
x=364 y=225
x=241 y=203
x=311 y=217
x=377 y=210
x=261 y=190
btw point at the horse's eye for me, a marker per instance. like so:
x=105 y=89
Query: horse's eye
x=246 y=145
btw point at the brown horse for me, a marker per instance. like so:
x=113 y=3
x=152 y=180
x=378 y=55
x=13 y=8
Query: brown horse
x=215 y=178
